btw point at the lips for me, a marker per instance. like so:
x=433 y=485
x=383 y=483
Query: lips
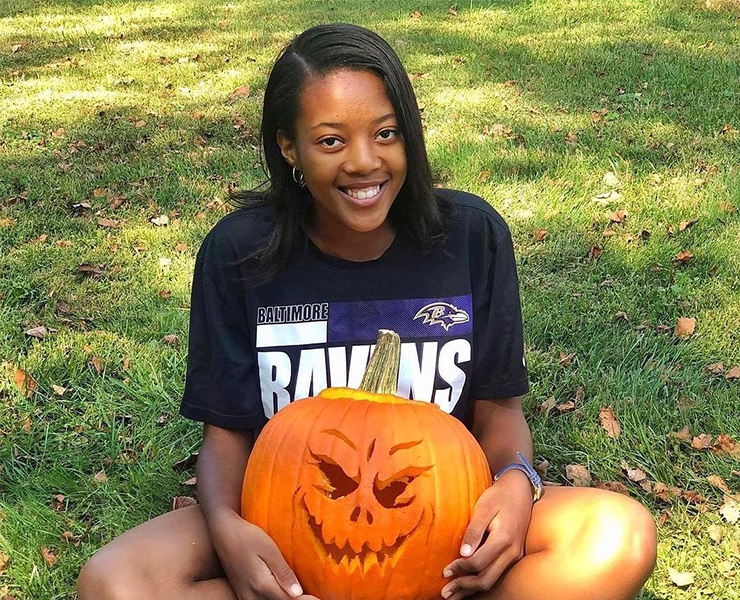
x=366 y=201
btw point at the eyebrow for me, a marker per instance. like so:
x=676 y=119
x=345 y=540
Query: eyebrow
x=341 y=436
x=340 y=125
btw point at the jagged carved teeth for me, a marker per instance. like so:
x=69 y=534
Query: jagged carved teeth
x=365 y=558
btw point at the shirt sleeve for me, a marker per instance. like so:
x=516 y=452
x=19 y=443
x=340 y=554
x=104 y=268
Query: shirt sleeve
x=221 y=384
x=499 y=368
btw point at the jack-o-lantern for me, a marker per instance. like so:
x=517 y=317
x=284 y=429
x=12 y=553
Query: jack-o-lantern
x=366 y=494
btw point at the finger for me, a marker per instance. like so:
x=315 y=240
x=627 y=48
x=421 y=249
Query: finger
x=484 y=556
x=481 y=582
x=280 y=569
x=479 y=523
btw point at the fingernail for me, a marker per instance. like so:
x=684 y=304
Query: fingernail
x=296 y=589
x=466 y=550
x=447 y=573
x=446 y=594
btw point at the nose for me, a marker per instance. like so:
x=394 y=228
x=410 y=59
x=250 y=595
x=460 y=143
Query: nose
x=355 y=516
x=363 y=158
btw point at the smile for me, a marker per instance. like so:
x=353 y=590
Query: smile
x=365 y=196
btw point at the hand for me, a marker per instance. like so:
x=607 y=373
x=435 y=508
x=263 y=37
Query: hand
x=253 y=563
x=503 y=511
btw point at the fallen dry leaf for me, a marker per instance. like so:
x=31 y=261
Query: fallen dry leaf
x=49 y=556
x=91 y=270
x=702 y=442
x=664 y=516
x=620 y=314
x=566 y=406
x=4 y=558
x=191 y=482
x=664 y=492
x=160 y=221
x=719 y=483
x=108 y=223
x=613 y=486
x=609 y=422
x=681 y=579
x=38 y=332
x=58 y=389
x=724 y=443
x=539 y=234
x=547 y=405
x=733 y=373
x=241 y=92
x=714 y=369
x=182 y=502
x=181 y=247
x=565 y=359
x=594 y=252
x=683 y=225
x=100 y=477
x=683 y=436
x=619 y=216
x=685 y=327
x=171 y=339
x=683 y=257
x=579 y=475
x=716 y=533
x=611 y=179
x=24 y=382
x=606 y=197
x=730 y=510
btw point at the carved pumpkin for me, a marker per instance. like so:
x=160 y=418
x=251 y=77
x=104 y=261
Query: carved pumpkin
x=367 y=495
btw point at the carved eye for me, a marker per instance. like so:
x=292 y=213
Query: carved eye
x=388 y=495
x=337 y=483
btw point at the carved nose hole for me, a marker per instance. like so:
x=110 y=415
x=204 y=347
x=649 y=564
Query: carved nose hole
x=355 y=515
x=369 y=517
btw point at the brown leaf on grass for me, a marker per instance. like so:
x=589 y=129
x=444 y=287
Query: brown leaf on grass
x=182 y=502
x=571 y=138
x=685 y=327
x=108 y=223
x=594 y=252
x=539 y=234
x=100 y=477
x=613 y=486
x=24 y=382
x=609 y=233
x=4 y=559
x=726 y=207
x=566 y=406
x=702 y=442
x=547 y=405
x=565 y=360
x=636 y=475
x=609 y=422
x=94 y=271
x=38 y=332
x=620 y=314
x=160 y=221
x=579 y=475
x=694 y=497
x=733 y=373
x=140 y=123
x=542 y=468
x=606 y=197
x=114 y=200
x=126 y=363
x=681 y=579
x=730 y=511
x=191 y=482
x=619 y=216
x=683 y=225
x=664 y=516
x=165 y=294
x=241 y=92
x=171 y=339
x=181 y=247
x=580 y=394
x=484 y=175
x=682 y=436
x=665 y=492
x=716 y=533
x=719 y=483
x=714 y=369
x=683 y=257
x=724 y=443
x=58 y=389
x=97 y=362
x=49 y=556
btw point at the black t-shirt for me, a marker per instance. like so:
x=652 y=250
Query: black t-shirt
x=253 y=350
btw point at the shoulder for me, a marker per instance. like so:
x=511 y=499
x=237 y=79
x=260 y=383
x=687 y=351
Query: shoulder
x=236 y=235
x=474 y=216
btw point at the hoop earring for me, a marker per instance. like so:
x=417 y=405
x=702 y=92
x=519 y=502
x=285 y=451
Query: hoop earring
x=300 y=180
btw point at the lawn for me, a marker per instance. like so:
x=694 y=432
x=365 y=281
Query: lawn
x=605 y=132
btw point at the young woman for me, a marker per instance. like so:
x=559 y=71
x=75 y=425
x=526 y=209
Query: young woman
x=288 y=295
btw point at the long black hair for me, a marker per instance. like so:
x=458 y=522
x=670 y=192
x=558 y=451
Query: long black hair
x=416 y=212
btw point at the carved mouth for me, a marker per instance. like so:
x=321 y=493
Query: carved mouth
x=350 y=560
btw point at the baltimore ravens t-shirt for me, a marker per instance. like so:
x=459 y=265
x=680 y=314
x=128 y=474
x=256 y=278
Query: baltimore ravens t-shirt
x=255 y=349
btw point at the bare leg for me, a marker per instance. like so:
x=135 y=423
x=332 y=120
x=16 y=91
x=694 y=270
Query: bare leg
x=169 y=557
x=582 y=544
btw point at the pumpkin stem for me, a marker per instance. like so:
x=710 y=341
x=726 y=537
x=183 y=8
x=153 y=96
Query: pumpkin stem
x=381 y=375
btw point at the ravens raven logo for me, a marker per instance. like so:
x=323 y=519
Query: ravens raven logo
x=443 y=313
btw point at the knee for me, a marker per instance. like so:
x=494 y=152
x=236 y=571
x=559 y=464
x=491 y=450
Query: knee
x=621 y=539
x=102 y=578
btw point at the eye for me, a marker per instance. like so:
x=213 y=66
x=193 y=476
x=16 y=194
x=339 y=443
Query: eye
x=388 y=495
x=339 y=483
x=327 y=140
x=391 y=131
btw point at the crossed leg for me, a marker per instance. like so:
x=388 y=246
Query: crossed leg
x=582 y=544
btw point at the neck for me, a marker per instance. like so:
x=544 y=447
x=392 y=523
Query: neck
x=358 y=246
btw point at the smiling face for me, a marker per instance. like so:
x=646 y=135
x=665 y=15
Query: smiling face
x=353 y=159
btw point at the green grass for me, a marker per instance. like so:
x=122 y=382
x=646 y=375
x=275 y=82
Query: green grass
x=667 y=74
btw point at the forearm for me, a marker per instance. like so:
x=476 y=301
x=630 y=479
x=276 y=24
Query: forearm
x=220 y=472
x=502 y=431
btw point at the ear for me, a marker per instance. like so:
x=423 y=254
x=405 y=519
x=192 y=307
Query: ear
x=287 y=149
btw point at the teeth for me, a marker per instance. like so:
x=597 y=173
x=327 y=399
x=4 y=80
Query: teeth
x=365 y=193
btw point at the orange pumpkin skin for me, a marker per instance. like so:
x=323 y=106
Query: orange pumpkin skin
x=366 y=495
